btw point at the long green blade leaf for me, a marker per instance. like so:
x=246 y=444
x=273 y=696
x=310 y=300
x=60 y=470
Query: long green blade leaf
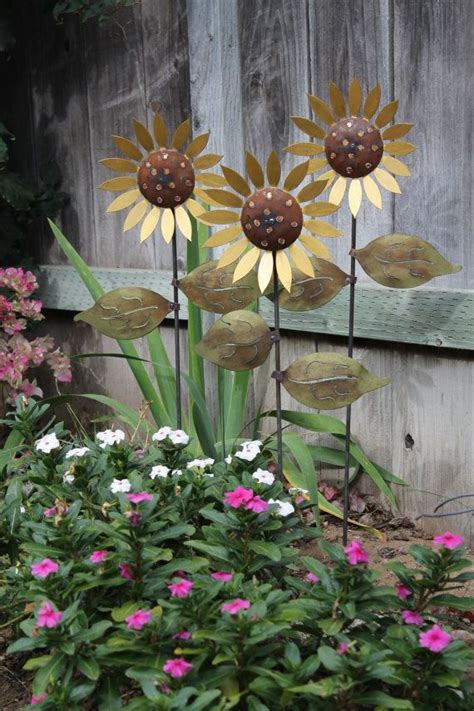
x=166 y=381
x=304 y=460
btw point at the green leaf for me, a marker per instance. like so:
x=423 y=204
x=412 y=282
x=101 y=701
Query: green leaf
x=194 y=256
x=109 y=695
x=267 y=549
x=330 y=659
x=89 y=667
x=312 y=422
x=36 y=662
x=458 y=603
x=49 y=673
x=120 y=613
x=331 y=626
x=305 y=463
x=380 y=698
x=24 y=644
x=164 y=373
x=13 y=441
x=128 y=413
x=219 y=552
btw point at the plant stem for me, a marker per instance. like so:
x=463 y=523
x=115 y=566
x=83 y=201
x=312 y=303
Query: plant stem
x=177 y=355
x=277 y=372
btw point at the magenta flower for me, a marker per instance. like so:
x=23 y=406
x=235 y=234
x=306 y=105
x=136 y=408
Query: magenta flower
x=311 y=578
x=50 y=512
x=402 y=591
x=435 y=639
x=177 y=667
x=138 y=619
x=256 y=504
x=138 y=498
x=222 y=576
x=48 y=616
x=135 y=517
x=238 y=496
x=98 y=556
x=38 y=699
x=235 y=606
x=44 y=568
x=356 y=554
x=182 y=635
x=449 y=540
x=411 y=617
x=126 y=571
x=342 y=648
x=181 y=589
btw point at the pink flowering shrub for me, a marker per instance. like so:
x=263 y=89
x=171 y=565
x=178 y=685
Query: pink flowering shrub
x=18 y=355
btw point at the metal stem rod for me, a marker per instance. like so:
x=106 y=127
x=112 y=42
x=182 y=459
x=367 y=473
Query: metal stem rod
x=277 y=373
x=350 y=349
x=177 y=355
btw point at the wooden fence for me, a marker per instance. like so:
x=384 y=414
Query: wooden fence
x=241 y=68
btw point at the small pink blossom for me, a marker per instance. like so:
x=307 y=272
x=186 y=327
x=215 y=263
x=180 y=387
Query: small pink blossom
x=222 y=576
x=98 y=556
x=235 y=606
x=435 y=639
x=35 y=700
x=256 y=504
x=411 y=617
x=48 y=616
x=138 y=498
x=402 y=591
x=126 y=571
x=342 y=648
x=311 y=578
x=181 y=589
x=449 y=540
x=238 y=496
x=134 y=518
x=44 y=568
x=182 y=635
x=356 y=554
x=50 y=512
x=177 y=667
x=138 y=619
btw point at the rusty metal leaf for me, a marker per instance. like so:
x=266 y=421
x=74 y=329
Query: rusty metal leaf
x=403 y=261
x=240 y=340
x=327 y=381
x=212 y=289
x=308 y=293
x=127 y=313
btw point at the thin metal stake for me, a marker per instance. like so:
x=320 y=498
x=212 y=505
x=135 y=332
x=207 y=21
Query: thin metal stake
x=350 y=348
x=277 y=373
x=177 y=355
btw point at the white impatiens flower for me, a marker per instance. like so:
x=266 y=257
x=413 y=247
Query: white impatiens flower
x=179 y=437
x=177 y=472
x=285 y=508
x=249 y=450
x=109 y=437
x=200 y=463
x=22 y=509
x=162 y=434
x=228 y=459
x=120 y=486
x=263 y=476
x=159 y=471
x=47 y=443
x=77 y=452
x=68 y=478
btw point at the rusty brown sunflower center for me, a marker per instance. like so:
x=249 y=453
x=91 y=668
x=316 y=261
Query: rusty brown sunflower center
x=166 y=178
x=272 y=219
x=354 y=147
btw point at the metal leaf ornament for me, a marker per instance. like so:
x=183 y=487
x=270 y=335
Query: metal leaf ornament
x=309 y=293
x=402 y=261
x=126 y=313
x=240 y=340
x=327 y=381
x=357 y=142
x=213 y=289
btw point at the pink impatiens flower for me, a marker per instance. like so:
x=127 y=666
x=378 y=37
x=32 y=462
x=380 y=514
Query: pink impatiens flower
x=44 y=568
x=48 y=616
x=356 y=554
x=411 y=617
x=182 y=635
x=138 y=619
x=98 y=556
x=35 y=700
x=448 y=540
x=126 y=571
x=177 y=667
x=256 y=504
x=235 y=606
x=138 y=498
x=181 y=589
x=402 y=591
x=342 y=648
x=238 y=496
x=311 y=578
x=435 y=639
x=222 y=576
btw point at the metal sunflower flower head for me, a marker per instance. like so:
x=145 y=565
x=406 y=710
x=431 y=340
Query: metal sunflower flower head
x=272 y=220
x=355 y=146
x=163 y=175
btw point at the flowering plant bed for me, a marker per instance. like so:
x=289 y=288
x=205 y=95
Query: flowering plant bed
x=136 y=576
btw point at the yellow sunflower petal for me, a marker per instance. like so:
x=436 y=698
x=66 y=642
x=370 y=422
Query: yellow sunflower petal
x=203 y=195
x=283 y=267
x=312 y=190
x=224 y=197
x=127 y=147
x=184 y=223
x=396 y=166
x=309 y=127
x=397 y=131
x=322 y=228
x=254 y=170
x=372 y=102
x=119 y=164
x=143 y=135
x=212 y=179
x=167 y=225
x=321 y=109
x=273 y=169
x=122 y=183
x=355 y=196
x=181 y=134
x=198 y=145
x=328 y=176
x=296 y=176
x=160 y=131
x=386 y=114
x=233 y=252
x=319 y=209
x=315 y=164
x=123 y=201
x=399 y=148
x=223 y=236
x=208 y=160
x=315 y=246
x=135 y=215
x=219 y=217
x=301 y=260
x=337 y=100
x=246 y=264
x=305 y=149
x=372 y=191
x=149 y=223
x=195 y=208
x=387 y=181
x=265 y=269
x=236 y=181
x=338 y=190
x=354 y=97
